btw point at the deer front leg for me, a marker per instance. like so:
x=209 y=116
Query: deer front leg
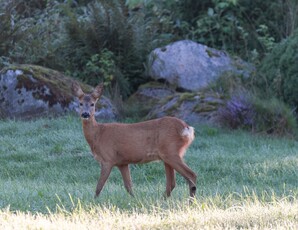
x=170 y=179
x=124 y=169
x=104 y=174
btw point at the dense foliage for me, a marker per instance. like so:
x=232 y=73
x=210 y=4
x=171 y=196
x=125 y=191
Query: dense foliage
x=65 y=35
x=109 y=40
x=279 y=71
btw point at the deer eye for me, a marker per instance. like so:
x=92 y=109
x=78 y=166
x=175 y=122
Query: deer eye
x=92 y=104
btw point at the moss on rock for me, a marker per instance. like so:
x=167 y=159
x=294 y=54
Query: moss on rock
x=193 y=107
x=146 y=97
x=46 y=84
x=32 y=91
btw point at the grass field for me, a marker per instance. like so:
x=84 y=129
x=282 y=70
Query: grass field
x=48 y=178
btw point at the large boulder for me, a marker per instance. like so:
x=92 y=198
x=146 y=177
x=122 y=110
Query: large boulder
x=191 y=66
x=29 y=91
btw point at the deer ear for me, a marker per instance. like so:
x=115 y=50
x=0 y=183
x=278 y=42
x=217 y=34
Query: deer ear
x=97 y=92
x=76 y=90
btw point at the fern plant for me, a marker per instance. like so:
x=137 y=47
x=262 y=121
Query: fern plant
x=101 y=25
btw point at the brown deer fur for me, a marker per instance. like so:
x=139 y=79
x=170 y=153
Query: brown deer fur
x=116 y=144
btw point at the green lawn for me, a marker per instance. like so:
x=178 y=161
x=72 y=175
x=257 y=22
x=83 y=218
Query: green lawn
x=48 y=178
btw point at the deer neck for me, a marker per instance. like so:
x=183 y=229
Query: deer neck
x=91 y=130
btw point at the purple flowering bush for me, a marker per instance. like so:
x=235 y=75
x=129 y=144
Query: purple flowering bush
x=243 y=110
x=238 y=111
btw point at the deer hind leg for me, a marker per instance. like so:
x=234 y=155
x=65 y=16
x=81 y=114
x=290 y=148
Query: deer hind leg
x=104 y=174
x=177 y=163
x=124 y=169
x=170 y=178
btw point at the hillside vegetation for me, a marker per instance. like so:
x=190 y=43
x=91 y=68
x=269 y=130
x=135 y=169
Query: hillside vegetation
x=109 y=40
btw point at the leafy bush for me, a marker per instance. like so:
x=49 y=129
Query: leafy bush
x=278 y=74
x=102 y=67
x=222 y=26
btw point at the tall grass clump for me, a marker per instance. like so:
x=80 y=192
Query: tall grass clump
x=273 y=117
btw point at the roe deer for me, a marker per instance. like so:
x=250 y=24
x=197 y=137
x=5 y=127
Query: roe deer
x=117 y=144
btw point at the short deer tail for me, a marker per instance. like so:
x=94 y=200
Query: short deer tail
x=188 y=133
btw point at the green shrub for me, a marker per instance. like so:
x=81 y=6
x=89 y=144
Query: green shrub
x=102 y=67
x=278 y=74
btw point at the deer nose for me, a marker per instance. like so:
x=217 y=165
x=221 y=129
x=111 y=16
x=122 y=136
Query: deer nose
x=85 y=115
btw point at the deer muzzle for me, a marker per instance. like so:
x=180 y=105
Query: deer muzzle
x=85 y=115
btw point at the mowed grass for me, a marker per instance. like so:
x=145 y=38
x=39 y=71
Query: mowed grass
x=48 y=178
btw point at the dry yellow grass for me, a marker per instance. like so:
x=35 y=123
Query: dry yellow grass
x=278 y=215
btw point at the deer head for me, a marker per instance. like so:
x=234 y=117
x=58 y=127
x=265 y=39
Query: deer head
x=87 y=101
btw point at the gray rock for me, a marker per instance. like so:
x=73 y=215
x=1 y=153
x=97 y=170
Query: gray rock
x=156 y=100
x=191 y=107
x=192 y=66
x=28 y=91
x=147 y=96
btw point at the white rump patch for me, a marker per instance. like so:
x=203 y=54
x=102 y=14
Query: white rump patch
x=188 y=132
